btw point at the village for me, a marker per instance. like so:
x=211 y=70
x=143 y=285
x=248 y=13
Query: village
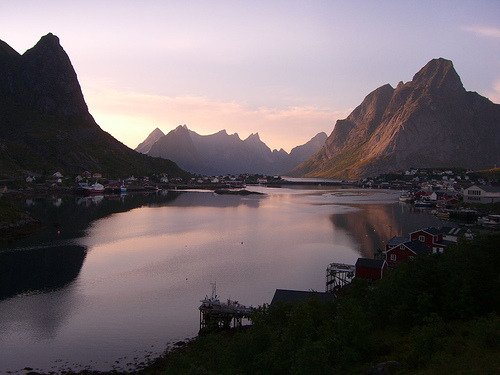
x=443 y=182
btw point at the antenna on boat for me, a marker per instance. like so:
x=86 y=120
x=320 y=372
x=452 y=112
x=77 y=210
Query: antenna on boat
x=214 y=290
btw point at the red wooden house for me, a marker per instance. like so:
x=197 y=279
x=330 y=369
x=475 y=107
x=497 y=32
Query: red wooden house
x=432 y=238
x=405 y=251
x=370 y=269
x=395 y=241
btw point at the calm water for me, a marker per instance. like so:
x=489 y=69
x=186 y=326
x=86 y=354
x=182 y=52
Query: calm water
x=111 y=281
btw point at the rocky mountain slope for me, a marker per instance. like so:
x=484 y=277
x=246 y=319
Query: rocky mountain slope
x=146 y=145
x=431 y=121
x=222 y=153
x=45 y=124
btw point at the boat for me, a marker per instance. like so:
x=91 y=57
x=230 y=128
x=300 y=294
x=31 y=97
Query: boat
x=85 y=188
x=424 y=204
x=442 y=214
x=406 y=198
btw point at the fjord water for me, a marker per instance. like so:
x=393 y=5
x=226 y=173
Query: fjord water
x=113 y=280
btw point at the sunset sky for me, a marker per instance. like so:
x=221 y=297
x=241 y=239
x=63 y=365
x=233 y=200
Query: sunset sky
x=285 y=69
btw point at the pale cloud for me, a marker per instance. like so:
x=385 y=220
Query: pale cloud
x=486 y=31
x=130 y=116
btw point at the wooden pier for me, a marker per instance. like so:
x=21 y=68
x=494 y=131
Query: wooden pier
x=216 y=315
x=338 y=275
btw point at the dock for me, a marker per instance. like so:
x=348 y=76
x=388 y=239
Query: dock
x=339 y=275
x=216 y=315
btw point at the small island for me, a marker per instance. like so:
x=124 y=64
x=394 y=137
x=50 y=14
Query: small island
x=236 y=192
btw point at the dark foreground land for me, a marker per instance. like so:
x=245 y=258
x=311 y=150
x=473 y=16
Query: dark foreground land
x=436 y=314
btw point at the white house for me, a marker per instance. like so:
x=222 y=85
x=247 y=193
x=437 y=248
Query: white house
x=482 y=194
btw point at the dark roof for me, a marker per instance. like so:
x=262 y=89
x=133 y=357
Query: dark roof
x=431 y=230
x=445 y=243
x=294 y=296
x=453 y=231
x=370 y=263
x=395 y=241
x=447 y=230
x=417 y=247
x=490 y=189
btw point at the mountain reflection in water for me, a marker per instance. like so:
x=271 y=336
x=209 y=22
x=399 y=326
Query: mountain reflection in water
x=373 y=225
x=109 y=277
x=39 y=269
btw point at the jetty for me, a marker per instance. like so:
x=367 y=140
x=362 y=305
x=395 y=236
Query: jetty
x=338 y=275
x=216 y=315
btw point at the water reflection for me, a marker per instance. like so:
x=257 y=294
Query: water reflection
x=144 y=261
x=69 y=216
x=41 y=315
x=39 y=269
x=373 y=225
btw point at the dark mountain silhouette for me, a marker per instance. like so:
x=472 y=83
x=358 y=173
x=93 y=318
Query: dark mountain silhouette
x=222 y=153
x=431 y=121
x=45 y=124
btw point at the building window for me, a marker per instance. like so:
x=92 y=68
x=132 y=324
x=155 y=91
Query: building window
x=393 y=257
x=421 y=238
x=474 y=192
x=435 y=238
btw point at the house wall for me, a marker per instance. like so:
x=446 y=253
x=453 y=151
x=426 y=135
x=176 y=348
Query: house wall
x=475 y=194
x=368 y=273
x=402 y=254
x=429 y=239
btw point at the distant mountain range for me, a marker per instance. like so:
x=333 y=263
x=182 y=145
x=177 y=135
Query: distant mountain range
x=222 y=153
x=431 y=121
x=45 y=125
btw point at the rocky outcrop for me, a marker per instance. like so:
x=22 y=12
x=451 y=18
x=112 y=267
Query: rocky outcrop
x=45 y=122
x=431 y=121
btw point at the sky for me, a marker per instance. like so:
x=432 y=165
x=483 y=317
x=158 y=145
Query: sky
x=285 y=69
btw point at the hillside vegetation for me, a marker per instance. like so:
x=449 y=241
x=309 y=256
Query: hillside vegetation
x=436 y=314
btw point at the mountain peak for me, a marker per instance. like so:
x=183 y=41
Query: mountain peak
x=431 y=121
x=155 y=134
x=50 y=39
x=253 y=136
x=439 y=74
x=181 y=128
x=48 y=42
x=6 y=50
x=51 y=79
x=146 y=145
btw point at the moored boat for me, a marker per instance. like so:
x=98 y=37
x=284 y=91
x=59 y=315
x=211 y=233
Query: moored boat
x=406 y=198
x=424 y=204
x=86 y=188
